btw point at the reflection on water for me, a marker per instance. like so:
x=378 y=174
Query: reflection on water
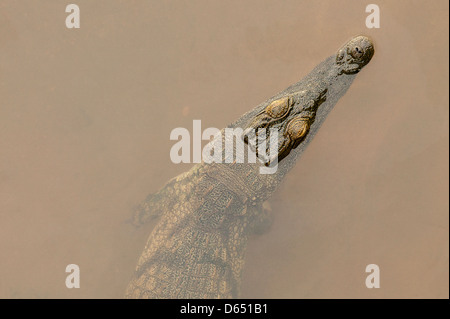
x=86 y=116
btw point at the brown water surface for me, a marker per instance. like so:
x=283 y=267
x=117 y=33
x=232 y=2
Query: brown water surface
x=85 y=118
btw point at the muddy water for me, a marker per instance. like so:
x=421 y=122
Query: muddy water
x=85 y=118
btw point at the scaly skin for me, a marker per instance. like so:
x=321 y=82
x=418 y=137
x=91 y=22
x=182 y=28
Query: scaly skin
x=207 y=214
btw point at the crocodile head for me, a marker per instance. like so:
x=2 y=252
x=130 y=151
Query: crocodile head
x=355 y=54
x=290 y=117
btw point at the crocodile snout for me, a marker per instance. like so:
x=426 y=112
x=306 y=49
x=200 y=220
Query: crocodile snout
x=355 y=54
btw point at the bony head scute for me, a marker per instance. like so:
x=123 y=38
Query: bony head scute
x=355 y=54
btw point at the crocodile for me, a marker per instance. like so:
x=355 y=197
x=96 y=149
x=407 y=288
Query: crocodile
x=207 y=214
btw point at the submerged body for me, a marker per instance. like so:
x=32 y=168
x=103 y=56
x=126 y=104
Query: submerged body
x=207 y=214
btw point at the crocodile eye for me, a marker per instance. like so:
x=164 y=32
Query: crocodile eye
x=297 y=128
x=357 y=52
x=278 y=108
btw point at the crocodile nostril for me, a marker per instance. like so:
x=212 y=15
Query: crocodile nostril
x=357 y=52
